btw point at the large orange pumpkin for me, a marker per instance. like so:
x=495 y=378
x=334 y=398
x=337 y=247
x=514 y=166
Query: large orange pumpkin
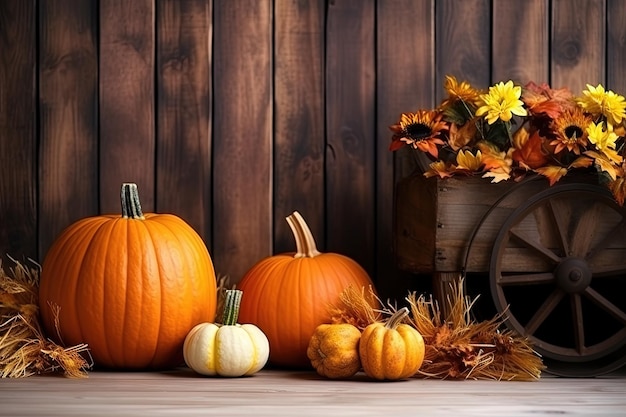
x=288 y=295
x=130 y=286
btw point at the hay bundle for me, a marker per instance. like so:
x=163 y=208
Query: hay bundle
x=457 y=347
x=24 y=350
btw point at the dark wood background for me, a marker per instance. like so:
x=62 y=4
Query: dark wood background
x=234 y=113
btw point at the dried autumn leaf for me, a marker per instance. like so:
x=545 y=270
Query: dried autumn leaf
x=618 y=188
x=495 y=160
x=531 y=153
x=606 y=161
x=440 y=169
x=581 y=162
x=463 y=136
x=552 y=172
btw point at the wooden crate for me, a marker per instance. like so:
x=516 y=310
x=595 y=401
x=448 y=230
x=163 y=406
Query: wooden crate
x=435 y=221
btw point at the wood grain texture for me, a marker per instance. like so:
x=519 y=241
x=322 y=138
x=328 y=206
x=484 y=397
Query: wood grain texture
x=299 y=118
x=350 y=113
x=126 y=59
x=405 y=66
x=242 y=157
x=578 y=43
x=18 y=126
x=68 y=136
x=525 y=56
x=616 y=46
x=275 y=393
x=462 y=39
x=183 y=171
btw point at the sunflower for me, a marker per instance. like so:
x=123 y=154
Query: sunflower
x=599 y=102
x=570 y=129
x=421 y=130
x=502 y=102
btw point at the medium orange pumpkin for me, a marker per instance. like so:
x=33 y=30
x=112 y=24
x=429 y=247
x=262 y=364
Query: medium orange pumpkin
x=288 y=295
x=129 y=286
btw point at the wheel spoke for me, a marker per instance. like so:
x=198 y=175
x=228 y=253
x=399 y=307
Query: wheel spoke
x=527 y=279
x=586 y=226
x=540 y=249
x=605 y=304
x=617 y=231
x=612 y=271
x=560 y=227
x=577 y=317
x=544 y=311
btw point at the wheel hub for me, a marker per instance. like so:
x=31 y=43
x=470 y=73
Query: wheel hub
x=573 y=275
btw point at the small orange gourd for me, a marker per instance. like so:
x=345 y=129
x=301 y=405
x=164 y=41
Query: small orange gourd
x=130 y=286
x=288 y=295
x=391 y=350
x=334 y=350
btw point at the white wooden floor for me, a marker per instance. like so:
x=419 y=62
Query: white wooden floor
x=299 y=394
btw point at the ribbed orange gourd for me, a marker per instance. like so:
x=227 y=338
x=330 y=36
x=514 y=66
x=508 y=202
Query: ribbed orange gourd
x=288 y=295
x=130 y=286
x=391 y=350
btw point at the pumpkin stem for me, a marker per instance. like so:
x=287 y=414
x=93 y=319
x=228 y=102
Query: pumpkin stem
x=305 y=243
x=231 y=307
x=396 y=319
x=131 y=207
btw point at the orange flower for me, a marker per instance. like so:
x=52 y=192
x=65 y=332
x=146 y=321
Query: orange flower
x=421 y=130
x=570 y=129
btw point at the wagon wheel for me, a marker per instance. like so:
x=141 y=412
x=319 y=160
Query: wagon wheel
x=558 y=273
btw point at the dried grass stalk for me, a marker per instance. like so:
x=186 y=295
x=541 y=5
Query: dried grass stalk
x=459 y=348
x=357 y=307
x=24 y=350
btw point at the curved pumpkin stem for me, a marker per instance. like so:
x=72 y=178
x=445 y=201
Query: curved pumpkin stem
x=396 y=319
x=305 y=243
x=131 y=207
x=231 y=307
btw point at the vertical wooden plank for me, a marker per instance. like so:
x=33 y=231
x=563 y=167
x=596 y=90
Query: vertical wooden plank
x=350 y=113
x=299 y=114
x=126 y=101
x=463 y=42
x=521 y=55
x=578 y=43
x=405 y=68
x=616 y=46
x=183 y=168
x=18 y=143
x=68 y=74
x=242 y=151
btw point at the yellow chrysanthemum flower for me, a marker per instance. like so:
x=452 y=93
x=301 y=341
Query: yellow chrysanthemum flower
x=597 y=101
x=502 y=102
x=468 y=161
x=602 y=138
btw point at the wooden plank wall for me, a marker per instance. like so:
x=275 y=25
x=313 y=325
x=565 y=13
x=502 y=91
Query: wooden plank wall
x=234 y=113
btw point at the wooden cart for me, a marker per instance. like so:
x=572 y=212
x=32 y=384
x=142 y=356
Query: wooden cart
x=555 y=257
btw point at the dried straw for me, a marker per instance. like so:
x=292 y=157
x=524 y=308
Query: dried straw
x=457 y=347
x=357 y=307
x=24 y=350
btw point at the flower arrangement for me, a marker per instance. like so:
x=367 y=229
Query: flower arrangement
x=509 y=132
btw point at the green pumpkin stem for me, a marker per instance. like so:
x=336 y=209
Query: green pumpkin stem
x=396 y=319
x=305 y=243
x=131 y=207
x=231 y=307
